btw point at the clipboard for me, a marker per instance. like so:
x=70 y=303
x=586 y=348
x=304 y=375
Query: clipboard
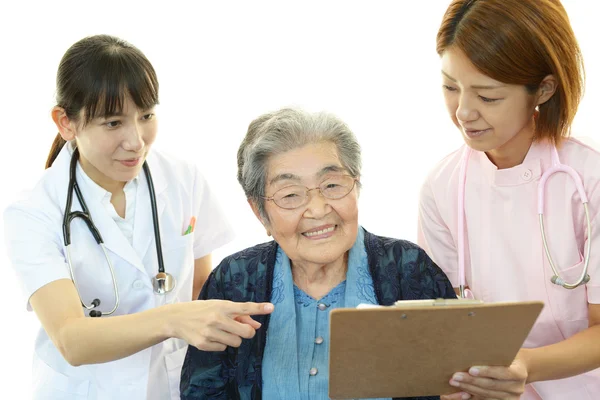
x=414 y=347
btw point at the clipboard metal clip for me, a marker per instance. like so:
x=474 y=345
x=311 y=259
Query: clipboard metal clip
x=437 y=303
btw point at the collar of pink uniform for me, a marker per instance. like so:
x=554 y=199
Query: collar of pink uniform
x=538 y=157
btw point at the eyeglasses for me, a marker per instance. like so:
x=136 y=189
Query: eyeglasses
x=294 y=196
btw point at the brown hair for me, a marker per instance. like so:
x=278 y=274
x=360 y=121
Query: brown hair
x=521 y=42
x=95 y=75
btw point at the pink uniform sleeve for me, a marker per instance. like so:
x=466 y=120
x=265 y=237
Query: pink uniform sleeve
x=593 y=286
x=434 y=236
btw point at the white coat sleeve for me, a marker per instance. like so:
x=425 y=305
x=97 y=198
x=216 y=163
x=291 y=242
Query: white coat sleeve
x=212 y=229
x=35 y=248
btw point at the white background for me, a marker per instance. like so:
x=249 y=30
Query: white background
x=220 y=65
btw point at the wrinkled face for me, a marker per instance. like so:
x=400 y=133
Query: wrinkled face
x=113 y=148
x=323 y=230
x=490 y=114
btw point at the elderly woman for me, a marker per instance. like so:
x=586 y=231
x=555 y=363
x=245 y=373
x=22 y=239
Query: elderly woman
x=301 y=175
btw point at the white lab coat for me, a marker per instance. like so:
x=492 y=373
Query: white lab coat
x=35 y=246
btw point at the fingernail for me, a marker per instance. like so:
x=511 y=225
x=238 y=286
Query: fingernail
x=269 y=307
x=458 y=377
x=465 y=396
x=474 y=371
x=454 y=383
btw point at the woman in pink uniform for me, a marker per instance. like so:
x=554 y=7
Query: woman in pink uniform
x=512 y=79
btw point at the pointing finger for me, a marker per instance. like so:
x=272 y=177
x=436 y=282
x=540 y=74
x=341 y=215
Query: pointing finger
x=250 y=308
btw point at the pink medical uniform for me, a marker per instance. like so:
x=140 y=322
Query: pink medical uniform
x=504 y=253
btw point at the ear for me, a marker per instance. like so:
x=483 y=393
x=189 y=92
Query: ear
x=66 y=127
x=254 y=207
x=546 y=89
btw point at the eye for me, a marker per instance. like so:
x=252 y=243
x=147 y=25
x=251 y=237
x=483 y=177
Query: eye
x=148 y=117
x=289 y=192
x=449 y=88
x=113 y=124
x=487 y=99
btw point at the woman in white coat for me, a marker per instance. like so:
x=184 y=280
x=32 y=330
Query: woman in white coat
x=106 y=94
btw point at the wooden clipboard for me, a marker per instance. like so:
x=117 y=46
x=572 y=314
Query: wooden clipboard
x=414 y=347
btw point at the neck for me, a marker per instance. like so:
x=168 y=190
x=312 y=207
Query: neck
x=317 y=280
x=99 y=178
x=513 y=152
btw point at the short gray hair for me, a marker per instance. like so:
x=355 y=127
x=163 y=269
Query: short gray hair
x=284 y=130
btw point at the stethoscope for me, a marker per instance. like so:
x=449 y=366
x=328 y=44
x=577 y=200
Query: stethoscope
x=162 y=283
x=556 y=167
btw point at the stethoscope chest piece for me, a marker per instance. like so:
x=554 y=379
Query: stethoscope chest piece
x=163 y=283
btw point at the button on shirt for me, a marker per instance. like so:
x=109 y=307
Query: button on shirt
x=312 y=324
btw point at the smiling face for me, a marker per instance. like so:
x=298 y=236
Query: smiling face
x=323 y=230
x=492 y=116
x=113 y=148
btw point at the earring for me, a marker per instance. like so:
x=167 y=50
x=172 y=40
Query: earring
x=268 y=232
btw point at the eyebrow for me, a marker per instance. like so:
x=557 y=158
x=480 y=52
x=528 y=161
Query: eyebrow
x=111 y=115
x=120 y=113
x=475 y=86
x=330 y=168
x=292 y=177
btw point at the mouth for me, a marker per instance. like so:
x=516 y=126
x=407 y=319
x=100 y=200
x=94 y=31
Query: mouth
x=320 y=232
x=474 y=133
x=131 y=162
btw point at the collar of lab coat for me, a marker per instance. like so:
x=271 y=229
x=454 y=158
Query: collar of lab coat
x=113 y=238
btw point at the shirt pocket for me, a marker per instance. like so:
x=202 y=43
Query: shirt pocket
x=49 y=384
x=174 y=362
x=569 y=306
x=179 y=242
x=178 y=255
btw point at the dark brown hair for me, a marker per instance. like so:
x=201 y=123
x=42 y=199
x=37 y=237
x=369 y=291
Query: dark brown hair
x=521 y=42
x=95 y=75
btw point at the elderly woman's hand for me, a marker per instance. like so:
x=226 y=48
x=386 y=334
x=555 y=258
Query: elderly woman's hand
x=490 y=383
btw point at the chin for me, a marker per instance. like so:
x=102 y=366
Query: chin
x=479 y=145
x=326 y=256
x=126 y=177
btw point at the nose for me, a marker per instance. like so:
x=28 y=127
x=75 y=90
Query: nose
x=466 y=110
x=317 y=206
x=133 y=140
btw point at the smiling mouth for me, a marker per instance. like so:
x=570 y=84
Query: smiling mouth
x=319 y=232
x=475 y=133
x=132 y=162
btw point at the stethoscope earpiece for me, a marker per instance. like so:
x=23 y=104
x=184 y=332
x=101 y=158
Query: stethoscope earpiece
x=557 y=280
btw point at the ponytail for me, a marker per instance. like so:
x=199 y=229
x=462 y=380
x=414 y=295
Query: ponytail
x=57 y=146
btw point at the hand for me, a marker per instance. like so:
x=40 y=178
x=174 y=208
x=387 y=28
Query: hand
x=490 y=383
x=212 y=325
